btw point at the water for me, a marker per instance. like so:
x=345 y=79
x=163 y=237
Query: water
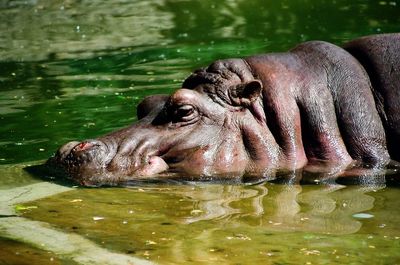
x=77 y=70
x=233 y=224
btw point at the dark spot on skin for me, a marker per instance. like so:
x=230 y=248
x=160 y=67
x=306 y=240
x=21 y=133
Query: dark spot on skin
x=53 y=211
x=130 y=252
x=166 y=223
x=75 y=227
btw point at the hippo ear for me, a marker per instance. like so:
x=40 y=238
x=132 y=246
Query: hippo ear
x=150 y=104
x=246 y=93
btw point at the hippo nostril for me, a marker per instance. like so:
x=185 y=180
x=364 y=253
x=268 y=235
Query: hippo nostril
x=85 y=148
x=82 y=145
x=85 y=145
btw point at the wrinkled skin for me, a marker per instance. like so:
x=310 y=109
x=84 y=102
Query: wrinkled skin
x=256 y=116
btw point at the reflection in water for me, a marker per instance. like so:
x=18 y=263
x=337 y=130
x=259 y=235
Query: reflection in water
x=40 y=30
x=322 y=209
x=223 y=223
x=241 y=216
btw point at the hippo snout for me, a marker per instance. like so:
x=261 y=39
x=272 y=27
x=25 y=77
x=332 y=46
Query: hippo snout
x=78 y=153
x=75 y=156
x=65 y=150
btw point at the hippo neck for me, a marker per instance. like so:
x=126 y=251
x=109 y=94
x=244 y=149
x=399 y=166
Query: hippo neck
x=260 y=145
x=277 y=72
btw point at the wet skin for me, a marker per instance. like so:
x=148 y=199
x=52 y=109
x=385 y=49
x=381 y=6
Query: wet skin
x=313 y=107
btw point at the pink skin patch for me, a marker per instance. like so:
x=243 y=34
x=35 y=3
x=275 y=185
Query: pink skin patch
x=155 y=165
x=83 y=146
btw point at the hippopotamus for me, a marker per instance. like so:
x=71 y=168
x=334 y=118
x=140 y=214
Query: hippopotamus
x=316 y=106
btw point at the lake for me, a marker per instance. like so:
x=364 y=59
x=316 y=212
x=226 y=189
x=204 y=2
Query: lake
x=77 y=69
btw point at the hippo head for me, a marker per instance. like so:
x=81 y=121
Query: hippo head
x=213 y=126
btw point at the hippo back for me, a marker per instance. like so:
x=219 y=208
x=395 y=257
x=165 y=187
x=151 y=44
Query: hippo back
x=380 y=56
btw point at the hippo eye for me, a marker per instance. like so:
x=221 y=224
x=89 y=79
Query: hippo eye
x=185 y=113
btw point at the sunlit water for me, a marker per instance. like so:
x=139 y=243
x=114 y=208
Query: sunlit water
x=234 y=224
x=75 y=70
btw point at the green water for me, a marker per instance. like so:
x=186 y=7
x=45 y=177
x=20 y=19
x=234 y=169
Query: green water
x=224 y=224
x=77 y=69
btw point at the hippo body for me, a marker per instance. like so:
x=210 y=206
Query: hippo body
x=318 y=106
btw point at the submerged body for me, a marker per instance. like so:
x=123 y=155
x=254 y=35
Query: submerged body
x=317 y=104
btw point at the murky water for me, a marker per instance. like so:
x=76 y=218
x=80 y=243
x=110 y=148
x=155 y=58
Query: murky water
x=77 y=69
x=225 y=224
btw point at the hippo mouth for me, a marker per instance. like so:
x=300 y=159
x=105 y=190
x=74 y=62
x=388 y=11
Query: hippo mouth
x=94 y=163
